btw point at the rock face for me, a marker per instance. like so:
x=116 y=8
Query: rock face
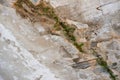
x=16 y=44
x=29 y=52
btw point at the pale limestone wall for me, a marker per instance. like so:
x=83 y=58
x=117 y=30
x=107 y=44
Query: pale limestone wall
x=25 y=54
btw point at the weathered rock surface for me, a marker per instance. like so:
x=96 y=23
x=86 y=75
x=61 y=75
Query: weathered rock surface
x=26 y=53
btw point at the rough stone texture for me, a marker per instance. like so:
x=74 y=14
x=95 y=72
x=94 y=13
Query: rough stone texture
x=26 y=53
x=102 y=17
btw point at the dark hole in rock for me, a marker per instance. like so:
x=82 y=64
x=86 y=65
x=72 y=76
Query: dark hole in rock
x=114 y=65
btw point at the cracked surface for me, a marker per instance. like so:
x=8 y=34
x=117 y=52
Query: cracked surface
x=52 y=50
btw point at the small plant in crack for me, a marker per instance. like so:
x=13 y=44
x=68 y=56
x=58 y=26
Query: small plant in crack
x=68 y=31
x=45 y=9
x=104 y=64
x=79 y=46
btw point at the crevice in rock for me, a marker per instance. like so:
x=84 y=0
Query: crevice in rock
x=43 y=9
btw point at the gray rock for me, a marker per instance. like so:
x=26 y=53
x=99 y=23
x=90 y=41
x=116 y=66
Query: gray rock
x=81 y=65
x=27 y=55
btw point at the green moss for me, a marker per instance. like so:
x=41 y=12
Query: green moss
x=105 y=66
x=68 y=31
x=57 y=26
x=55 y=18
x=79 y=46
